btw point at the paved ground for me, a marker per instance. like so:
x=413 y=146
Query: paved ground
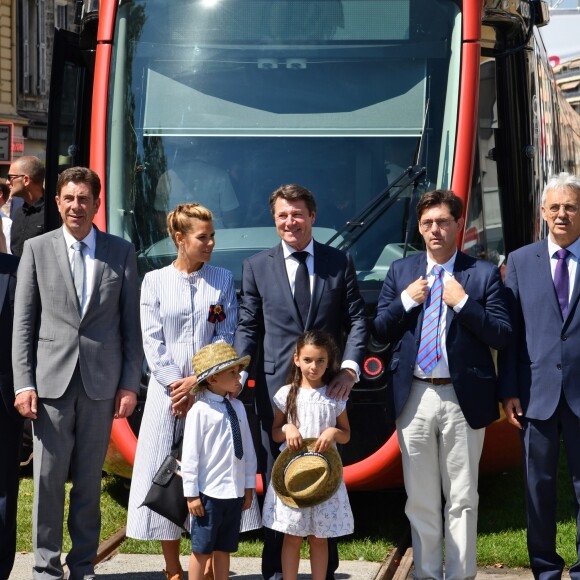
x=140 y=567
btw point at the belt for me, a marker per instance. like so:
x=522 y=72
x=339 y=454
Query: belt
x=437 y=381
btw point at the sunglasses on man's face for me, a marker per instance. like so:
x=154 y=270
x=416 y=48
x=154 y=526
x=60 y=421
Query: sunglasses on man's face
x=12 y=176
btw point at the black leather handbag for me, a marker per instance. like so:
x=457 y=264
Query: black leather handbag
x=165 y=496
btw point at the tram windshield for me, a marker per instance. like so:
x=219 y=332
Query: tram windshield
x=222 y=101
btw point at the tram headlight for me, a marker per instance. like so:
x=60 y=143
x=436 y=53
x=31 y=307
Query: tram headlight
x=373 y=368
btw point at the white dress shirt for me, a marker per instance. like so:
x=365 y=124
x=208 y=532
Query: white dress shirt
x=441 y=370
x=292 y=264
x=88 y=253
x=6 y=226
x=208 y=462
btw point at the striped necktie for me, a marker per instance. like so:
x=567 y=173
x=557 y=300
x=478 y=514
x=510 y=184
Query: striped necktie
x=430 y=345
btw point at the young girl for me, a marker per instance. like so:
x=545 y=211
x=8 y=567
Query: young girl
x=304 y=410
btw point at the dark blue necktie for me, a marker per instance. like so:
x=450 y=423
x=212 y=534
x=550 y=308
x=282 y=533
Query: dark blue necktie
x=302 y=286
x=562 y=280
x=235 y=426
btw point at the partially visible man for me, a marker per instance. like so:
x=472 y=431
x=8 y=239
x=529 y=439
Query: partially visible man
x=5 y=221
x=77 y=356
x=442 y=311
x=540 y=371
x=10 y=421
x=26 y=181
x=296 y=286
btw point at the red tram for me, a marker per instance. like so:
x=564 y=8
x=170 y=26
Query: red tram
x=368 y=103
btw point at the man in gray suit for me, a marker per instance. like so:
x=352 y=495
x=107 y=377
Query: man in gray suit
x=77 y=356
x=272 y=316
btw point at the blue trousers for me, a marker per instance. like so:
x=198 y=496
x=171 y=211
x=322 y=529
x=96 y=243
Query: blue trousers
x=541 y=446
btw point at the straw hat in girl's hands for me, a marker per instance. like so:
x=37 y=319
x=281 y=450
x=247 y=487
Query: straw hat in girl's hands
x=306 y=478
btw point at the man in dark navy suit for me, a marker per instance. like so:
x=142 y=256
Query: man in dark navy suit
x=10 y=420
x=540 y=371
x=273 y=314
x=442 y=311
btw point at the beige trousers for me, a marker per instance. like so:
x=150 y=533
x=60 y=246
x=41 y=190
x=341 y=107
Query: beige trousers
x=440 y=458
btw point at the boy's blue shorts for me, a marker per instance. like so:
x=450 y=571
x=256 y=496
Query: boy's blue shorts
x=219 y=528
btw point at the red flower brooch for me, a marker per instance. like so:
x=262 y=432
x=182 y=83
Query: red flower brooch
x=216 y=313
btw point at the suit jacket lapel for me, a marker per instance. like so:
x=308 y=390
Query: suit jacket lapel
x=420 y=270
x=101 y=252
x=61 y=254
x=544 y=277
x=283 y=284
x=4 y=277
x=320 y=278
x=575 y=293
x=461 y=274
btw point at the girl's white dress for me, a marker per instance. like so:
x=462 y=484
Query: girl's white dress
x=316 y=412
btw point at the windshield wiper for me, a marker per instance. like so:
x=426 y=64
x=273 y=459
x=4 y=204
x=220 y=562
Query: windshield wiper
x=412 y=221
x=355 y=228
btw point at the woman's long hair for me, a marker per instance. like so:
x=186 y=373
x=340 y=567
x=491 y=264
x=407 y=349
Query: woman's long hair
x=319 y=339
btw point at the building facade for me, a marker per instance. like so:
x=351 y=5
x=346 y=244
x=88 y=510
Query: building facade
x=26 y=40
x=568 y=79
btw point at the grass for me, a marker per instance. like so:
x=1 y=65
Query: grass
x=373 y=539
x=113 y=511
x=379 y=522
x=501 y=536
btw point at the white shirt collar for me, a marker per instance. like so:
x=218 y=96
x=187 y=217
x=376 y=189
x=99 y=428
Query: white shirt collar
x=213 y=396
x=573 y=248
x=289 y=250
x=448 y=266
x=90 y=240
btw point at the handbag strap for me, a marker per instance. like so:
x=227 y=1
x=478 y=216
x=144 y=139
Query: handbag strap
x=177 y=439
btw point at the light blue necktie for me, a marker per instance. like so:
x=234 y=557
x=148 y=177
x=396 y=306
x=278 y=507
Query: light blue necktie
x=430 y=345
x=79 y=271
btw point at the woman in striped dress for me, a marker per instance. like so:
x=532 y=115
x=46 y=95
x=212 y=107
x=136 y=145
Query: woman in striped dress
x=184 y=307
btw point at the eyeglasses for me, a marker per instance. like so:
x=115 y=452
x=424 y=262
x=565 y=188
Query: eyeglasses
x=12 y=176
x=443 y=224
x=569 y=208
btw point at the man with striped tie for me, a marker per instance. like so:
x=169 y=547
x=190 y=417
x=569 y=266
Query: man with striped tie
x=442 y=311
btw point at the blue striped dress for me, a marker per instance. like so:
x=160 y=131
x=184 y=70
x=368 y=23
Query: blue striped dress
x=174 y=320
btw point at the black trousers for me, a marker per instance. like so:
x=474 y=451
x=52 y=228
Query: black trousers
x=272 y=551
x=10 y=437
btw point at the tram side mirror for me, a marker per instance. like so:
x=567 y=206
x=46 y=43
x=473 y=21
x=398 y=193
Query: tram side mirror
x=542 y=13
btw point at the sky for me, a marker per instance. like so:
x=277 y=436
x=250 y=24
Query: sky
x=561 y=35
x=565 y=3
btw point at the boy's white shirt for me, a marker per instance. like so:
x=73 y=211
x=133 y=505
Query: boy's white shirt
x=208 y=463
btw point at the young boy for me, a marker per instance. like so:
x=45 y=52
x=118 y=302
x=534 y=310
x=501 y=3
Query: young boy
x=218 y=461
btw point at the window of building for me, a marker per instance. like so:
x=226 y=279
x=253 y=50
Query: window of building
x=61 y=16
x=32 y=49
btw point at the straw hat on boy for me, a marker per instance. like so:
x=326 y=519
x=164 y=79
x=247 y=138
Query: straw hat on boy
x=305 y=478
x=215 y=358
